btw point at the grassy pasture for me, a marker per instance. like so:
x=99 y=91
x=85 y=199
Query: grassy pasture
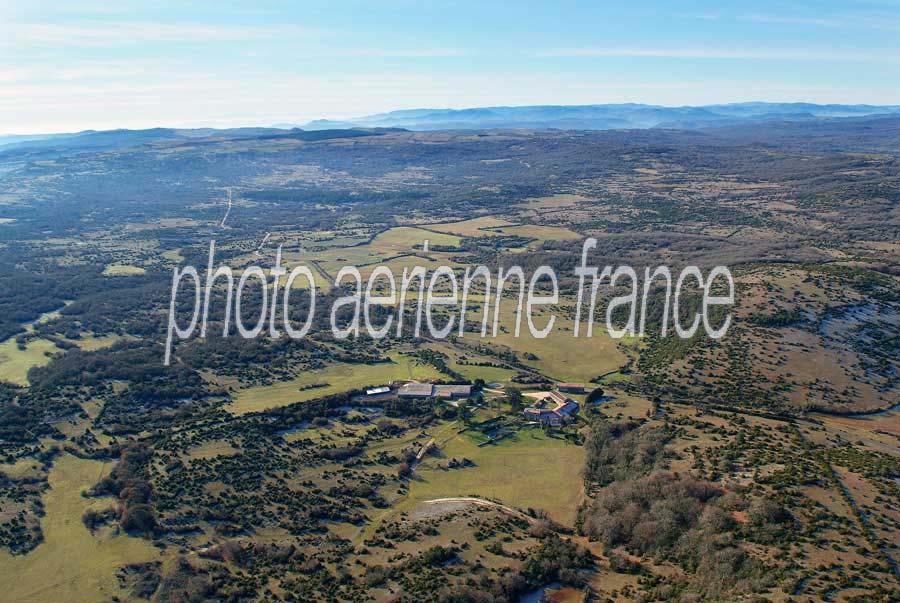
x=122 y=270
x=335 y=258
x=553 y=201
x=340 y=377
x=72 y=564
x=397 y=266
x=490 y=374
x=211 y=450
x=542 y=233
x=628 y=407
x=173 y=255
x=393 y=242
x=24 y=467
x=560 y=355
x=90 y=343
x=163 y=223
x=529 y=469
x=14 y=363
x=404 y=239
x=476 y=227
x=879 y=431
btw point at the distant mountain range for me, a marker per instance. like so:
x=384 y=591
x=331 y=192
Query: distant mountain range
x=600 y=117
x=22 y=148
x=736 y=121
x=110 y=139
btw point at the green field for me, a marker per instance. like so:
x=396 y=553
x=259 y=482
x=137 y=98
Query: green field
x=89 y=342
x=388 y=244
x=340 y=377
x=403 y=239
x=560 y=355
x=476 y=227
x=530 y=469
x=14 y=363
x=490 y=374
x=71 y=565
x=173 y=255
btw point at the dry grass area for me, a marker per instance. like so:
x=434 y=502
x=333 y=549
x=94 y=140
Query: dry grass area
x=71 y=564
x=803 y=339
x=163 y=223
x=554 y=202
x=541 y=233
x=123 y=270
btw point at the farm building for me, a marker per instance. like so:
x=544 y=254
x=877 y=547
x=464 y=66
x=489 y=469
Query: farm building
x=376 y=394
x=571 y=388
x=416 y=390
x=453 y=392
x=429 y=390
x=562 y=411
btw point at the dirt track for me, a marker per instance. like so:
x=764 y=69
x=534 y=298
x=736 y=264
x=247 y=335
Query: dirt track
x=441 y=506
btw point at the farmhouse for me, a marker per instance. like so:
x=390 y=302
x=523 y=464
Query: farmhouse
x=561 y=413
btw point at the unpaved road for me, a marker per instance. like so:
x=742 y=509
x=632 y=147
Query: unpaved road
x=440 y=506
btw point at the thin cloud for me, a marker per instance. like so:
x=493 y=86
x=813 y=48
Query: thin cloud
x=858 y=21
x=137 y=70
x=390 y=53
x=108 y=34
x=718 y=53
x=114 y=33
x=816 y=21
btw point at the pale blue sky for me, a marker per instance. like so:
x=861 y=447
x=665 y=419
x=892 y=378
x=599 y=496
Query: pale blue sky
x=73 y=65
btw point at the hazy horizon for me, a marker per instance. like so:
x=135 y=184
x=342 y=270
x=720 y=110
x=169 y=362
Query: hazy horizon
x=293 y=123
x=71 y=68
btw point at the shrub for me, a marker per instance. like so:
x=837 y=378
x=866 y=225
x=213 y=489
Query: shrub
x=138 y=518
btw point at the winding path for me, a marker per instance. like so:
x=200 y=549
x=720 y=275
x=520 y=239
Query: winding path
x=482 y=502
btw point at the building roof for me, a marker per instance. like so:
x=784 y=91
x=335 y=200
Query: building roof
x=419 y=390
x=570 y=385
x=568 y=408
x=564 y=406
x=452 y=391
x=377 y=390
x=558 y=397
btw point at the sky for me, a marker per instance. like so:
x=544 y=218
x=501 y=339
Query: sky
x=71 y=65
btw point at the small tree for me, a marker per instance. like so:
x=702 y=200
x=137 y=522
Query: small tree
x=464 y=413
x=90 y=519
x=139 y=518
x=514 y=398
x=595 y=396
